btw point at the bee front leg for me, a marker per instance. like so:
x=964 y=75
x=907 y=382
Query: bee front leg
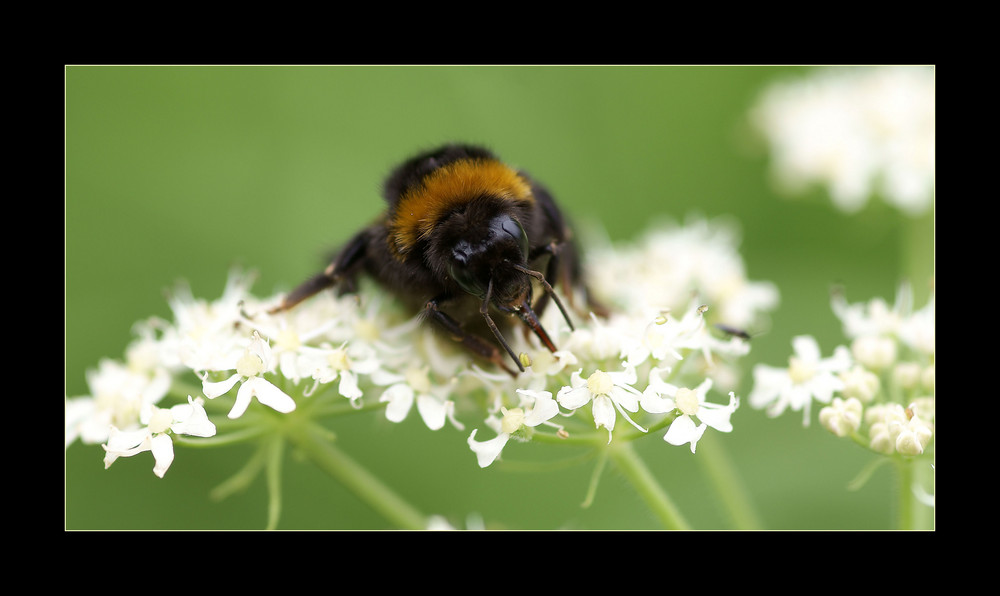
x=564 y=267
x=473 y=343
x=551 y=272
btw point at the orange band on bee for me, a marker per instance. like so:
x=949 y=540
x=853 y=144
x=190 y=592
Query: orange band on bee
x=419 y=210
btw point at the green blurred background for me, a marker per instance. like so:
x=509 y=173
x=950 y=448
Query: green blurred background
x=181 y=172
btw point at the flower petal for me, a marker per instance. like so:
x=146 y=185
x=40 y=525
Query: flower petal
x=432 y=410
x=653 y=403
x=268 y=394
x=574 y=397
x=400 y=398
x=487 y=451
x=683 y=430
x=604 y=413
x=163 y=453
x=213 y=390
x=349 y=385
x=192 y=419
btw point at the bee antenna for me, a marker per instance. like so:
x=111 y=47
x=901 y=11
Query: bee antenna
x=548 y=290
x=484 y=310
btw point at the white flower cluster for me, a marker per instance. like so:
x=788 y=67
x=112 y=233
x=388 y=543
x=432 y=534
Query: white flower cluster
x=857 y=131
x=878 y=389
x=652 y=358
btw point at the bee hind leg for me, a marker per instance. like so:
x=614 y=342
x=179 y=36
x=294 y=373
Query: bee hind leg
x=341 y=271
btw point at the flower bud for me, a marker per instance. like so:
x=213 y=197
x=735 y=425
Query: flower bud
x=842 y=417
x=906 y=375
x=874 y=352
x=860 y=383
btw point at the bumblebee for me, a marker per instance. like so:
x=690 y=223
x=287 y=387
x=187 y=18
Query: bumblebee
x=464 y=239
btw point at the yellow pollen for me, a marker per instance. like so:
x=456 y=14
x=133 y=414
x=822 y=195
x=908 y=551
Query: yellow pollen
x=800 y=371
x=687 y=401
x=288 y=339
x=512 y=420
x=250 y=365
x=160 y=421
x=338 y=359
x=600 y=383
x=366 y=330
x=418 y=379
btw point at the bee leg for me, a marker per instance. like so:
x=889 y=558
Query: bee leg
x=341 y=271
x=565 y=267
x=551 y=271
x=473 y=343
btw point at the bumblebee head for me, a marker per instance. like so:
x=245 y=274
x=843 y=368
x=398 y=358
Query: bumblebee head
x=485 y=251
x=488 y=261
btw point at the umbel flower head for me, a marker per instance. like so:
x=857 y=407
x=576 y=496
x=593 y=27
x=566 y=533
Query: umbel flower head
x=655 y=361
x=878 y=390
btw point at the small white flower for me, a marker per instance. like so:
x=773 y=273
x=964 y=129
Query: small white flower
x=415 y=386
x=295 y=332
x=661 y=397
x=255 y=361
x=917 y=330
x=205 y=335
x=874 y=317
x=662 y=339
x=808 y=377
x=600 y=340
x=346 y=363
x=118 y=393
x=608 y=391
x=536 y=407
x=188 y=419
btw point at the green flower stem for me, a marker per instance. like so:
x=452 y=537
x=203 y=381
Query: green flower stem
x=242 y=479
x=911 y=513
x=221 y=440
x=314 y=442
x=631 y=465
x=918 y=251
x=730 y=490
x=275 y=455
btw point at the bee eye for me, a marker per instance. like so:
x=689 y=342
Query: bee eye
x=514 y=229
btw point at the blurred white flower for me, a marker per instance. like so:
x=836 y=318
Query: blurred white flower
x=414 y=385
x=672 y=265
x=869 y=323
x=858 y=131
x=118 y=393
x=808 y=376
